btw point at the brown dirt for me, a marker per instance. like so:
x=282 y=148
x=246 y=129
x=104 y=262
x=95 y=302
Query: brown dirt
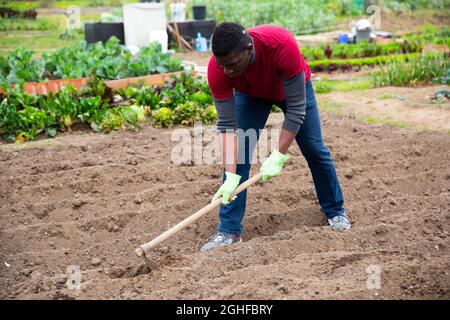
x=407 y=22
x=405 y=107
x=81 y=196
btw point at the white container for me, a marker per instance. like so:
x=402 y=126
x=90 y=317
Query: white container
x=178 y=12
x=140 y=20
x=161 y=37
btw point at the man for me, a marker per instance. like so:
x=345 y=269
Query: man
x=249 y=72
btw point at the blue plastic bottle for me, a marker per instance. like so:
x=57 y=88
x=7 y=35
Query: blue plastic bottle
x=200 y=43
x=343 y=38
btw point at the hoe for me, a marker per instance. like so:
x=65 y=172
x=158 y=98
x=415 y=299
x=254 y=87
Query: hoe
x=144 y=249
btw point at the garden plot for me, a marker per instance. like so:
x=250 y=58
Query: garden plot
x=88 y=200
x=416 y=108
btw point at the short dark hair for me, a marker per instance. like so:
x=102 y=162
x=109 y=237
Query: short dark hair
x=228 y=37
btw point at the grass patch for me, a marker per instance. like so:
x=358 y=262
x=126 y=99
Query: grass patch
x=399 y=124
x=25 y=5
x=373 y=120
x=91 y=3
x=41 y=41
x=326 y=86
x=386 y=120
x=20 y=5
x=44 y=23
x=93 y=17
x=330 y=106
x=38 y=41
x=387 y=96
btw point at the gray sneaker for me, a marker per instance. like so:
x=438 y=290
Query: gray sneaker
x=340 y=223
x=221 y=239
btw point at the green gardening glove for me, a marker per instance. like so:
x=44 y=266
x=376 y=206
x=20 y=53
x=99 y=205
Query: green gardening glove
x=273 y=165
x=228 y=187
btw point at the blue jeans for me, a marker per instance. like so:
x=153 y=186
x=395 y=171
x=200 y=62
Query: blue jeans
x=252 y=113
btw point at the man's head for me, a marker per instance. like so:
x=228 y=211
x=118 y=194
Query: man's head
x=232 y=48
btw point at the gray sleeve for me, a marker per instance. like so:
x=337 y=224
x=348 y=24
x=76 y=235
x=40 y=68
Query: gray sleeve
x=295 y=93
x=226 y=114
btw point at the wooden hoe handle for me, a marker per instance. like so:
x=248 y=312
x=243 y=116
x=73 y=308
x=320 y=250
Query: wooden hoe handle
x=143 y=249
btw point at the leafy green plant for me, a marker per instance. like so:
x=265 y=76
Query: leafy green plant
x=9 y=120
x=187 y=113
x=340 y=51
x=32 y=121
x=209 y=115
x=412 y=44
x=96 y=87
x=347 y=64
x=132 y=115
x=369 y=49
x=21 y=119
x=148 y=96
x=151 y=60
x=66 y=107
x=390 y=48
x=313 y=53
x=183 y=99
x=91 y=110
x=111 y=121
x=359 y=50
x=20 y=67
x=201 y=98
x=419 y=69
x=297 y=16
x=162 y=117
x=108 y=61
x=444 y=79
x=404 y=5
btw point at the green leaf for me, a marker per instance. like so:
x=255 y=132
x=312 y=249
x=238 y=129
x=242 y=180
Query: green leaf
x=51 y=132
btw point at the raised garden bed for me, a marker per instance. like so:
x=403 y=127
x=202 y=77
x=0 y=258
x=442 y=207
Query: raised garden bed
x=54 y=86
x=362 y=50
x=179 y=100
x=330 y=65
x=109 y=61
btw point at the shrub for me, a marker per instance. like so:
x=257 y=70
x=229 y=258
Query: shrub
x=419 y=69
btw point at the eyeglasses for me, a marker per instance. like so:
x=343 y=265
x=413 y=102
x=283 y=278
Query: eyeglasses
x=237 y=63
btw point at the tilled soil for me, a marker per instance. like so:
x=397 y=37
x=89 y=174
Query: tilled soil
x=89 y=200
x=411 y=107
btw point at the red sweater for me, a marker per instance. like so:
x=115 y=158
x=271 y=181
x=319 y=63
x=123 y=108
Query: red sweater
x=277 y=58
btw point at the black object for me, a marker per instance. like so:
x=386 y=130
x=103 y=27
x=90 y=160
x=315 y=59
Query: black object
x=94 y=32
x=189 y=29
x=199 y=12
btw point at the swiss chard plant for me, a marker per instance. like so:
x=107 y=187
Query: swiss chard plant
x=182 y=100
